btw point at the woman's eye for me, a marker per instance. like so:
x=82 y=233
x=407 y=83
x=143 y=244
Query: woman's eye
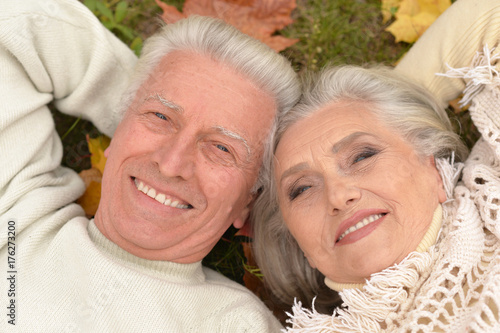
x=223 y=148
x=363 y=155
x=295 y=192
x=161 y=116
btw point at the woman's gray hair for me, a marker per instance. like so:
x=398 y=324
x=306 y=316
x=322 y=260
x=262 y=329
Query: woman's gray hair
x=400 y=104
x=224 y=43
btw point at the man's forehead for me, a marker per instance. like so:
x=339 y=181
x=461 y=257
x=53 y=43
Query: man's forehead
x=249 y=109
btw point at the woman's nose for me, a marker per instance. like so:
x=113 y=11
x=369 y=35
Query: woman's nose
x=341 y=194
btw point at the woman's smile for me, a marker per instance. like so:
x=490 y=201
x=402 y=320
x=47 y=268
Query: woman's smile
x=362 y=228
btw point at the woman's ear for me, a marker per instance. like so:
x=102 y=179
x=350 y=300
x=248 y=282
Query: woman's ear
x=441 y=192
x=310 y=261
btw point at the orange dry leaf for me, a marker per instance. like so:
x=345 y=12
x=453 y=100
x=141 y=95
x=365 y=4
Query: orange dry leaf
x=251 y=281
x=256 y=285
x=92 y=177
x=414 y=17
x=257 y=18
x=90 y=199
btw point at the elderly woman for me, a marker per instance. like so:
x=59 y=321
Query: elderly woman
x=373 y=201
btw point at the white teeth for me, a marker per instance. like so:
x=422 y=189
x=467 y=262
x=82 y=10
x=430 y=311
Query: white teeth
x=361 y=224
x=152 y=193
x=160 y=197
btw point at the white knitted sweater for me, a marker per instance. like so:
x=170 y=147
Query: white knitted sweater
x=455 y=285
x=58 y=273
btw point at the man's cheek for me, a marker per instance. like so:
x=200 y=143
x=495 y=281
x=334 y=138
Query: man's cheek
x=220 y=185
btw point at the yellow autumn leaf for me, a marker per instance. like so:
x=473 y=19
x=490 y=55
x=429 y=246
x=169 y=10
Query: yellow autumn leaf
x=408 y=8
x=97 y=147
x=92 y=177
x=90 y=199
x=409 y=28
x=389 y=8
x=414 y=17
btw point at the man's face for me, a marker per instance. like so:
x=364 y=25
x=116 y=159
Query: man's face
x=183 y=160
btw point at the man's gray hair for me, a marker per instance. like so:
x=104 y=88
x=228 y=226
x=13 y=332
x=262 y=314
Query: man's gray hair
x=224 y=43
x=400 y=104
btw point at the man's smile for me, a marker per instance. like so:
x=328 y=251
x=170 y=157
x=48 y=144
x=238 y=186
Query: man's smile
x=160 y=197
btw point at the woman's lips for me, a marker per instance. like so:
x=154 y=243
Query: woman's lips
x=358 y=226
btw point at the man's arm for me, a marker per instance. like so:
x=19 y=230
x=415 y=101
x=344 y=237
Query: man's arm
x=453 y=40
x=51 y=50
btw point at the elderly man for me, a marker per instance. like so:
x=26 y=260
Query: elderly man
x=182 y=167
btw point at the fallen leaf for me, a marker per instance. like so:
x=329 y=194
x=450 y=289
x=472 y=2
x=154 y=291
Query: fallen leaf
x=414 y=17
x=90 y=199
x=97 y=147
x=90 y=175
x=93 y=176
x=257 y=18
x=456 y=107
x=389 y=8
x=255 y=283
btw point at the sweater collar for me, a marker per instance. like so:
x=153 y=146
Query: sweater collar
x=427 y=241
x=182 y=273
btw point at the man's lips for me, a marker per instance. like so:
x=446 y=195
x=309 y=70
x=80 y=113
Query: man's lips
x=358 y=221
x=162 y=198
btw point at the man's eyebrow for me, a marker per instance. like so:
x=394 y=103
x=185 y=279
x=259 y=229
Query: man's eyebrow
x=165 y=102
x=232 y=135
x=342 y=143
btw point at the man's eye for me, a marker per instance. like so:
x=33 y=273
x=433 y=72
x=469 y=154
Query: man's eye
x=295 y=192
x=161 y=116
x=223 y=148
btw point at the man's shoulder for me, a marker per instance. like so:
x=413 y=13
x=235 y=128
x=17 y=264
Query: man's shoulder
x=216 y=278
x=239 y=292
x=242 y=309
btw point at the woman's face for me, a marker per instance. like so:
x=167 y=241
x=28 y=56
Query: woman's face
x=353 y=193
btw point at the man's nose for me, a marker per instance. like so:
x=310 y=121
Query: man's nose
x=176 y=157
x=341 y=194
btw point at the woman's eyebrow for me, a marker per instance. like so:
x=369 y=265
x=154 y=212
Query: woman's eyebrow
x=339 y=145
x=344 y=142
x=292 y=170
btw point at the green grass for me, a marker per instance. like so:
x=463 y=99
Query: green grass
x=340 y=32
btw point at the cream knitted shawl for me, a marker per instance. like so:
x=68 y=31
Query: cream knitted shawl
x=455 y=285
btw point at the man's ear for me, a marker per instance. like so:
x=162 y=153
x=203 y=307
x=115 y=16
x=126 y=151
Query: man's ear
x=240 y=221
x=245 y=213
x=440 y=185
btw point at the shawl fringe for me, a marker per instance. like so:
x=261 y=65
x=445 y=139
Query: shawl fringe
x=364 y=310
x=481 y=73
